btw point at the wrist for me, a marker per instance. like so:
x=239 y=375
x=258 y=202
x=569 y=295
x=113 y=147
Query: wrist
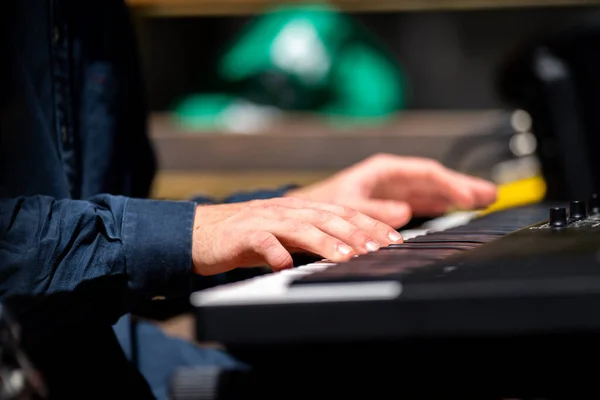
x=204 y=215
x=205 y=231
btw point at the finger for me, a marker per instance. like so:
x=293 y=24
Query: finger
x=271 y=250
x=449 y=185
x=431 y=176
x=359 y=239
x=430 y=207
x=380 y=232
x=393 y=213
x=484 y=192
x=428 y=200
x=305 y=236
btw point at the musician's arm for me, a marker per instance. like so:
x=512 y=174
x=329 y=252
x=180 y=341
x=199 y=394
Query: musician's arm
x=89 y=262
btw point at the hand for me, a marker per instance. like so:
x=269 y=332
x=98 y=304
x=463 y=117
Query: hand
x=267 y=231
x=392 y=188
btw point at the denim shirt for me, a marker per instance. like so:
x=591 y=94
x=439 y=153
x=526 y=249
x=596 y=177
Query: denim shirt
x=79 y=241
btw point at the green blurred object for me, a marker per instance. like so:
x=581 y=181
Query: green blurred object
x=307 y=58
x=201 y=111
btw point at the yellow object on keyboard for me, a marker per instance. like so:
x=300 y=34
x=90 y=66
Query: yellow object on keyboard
x=522 y=192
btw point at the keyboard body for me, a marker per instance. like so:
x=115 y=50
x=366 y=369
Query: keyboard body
x=506 y=273
x=486 y=308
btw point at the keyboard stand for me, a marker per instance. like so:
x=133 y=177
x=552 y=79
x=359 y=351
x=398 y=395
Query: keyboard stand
x=543 y=367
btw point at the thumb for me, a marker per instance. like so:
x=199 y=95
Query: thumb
x=274 y=253
x=392 y=212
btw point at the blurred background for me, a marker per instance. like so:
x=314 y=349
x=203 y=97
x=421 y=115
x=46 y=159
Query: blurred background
x=250 y=94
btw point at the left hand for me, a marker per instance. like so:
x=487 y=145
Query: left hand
x=393 y=188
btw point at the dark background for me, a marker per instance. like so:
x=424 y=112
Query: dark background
x=451 y=57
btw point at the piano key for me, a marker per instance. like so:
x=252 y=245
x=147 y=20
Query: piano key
x=378 y=266
x=396 y=261
x=458 y=245
x=452 y=238
x=273 y=288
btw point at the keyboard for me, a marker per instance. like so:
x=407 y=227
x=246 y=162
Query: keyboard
x=529 y=269
x=273 y=288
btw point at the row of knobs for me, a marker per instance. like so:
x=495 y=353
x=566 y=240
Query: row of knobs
x=578 y=210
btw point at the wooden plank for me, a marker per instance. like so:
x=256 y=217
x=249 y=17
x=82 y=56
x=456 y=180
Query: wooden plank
x=182 y=185
x=303 y=150
x=178 y=8
x=310 y=145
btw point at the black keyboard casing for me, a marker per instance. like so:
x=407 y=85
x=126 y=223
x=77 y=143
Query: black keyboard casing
x=516 y=317
x=531 y=281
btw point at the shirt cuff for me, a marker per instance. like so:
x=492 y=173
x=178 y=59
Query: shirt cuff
x=158 y=247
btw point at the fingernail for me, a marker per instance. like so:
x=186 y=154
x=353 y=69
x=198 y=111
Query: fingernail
x=345 y=250
x=395 y=236
x=372 y=246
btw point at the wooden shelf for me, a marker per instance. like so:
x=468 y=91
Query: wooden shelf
x=307 y=143
x=303 y=150
x=182 y=8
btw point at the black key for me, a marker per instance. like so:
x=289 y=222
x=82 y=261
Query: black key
x=431 y=246
x=403 y=260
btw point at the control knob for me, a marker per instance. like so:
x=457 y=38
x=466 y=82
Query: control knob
x=577 y=210
x=558 y=217
x=595 y=204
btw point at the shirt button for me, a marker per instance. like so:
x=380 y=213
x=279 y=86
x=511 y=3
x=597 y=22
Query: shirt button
x=65 y=136
x=56 y=35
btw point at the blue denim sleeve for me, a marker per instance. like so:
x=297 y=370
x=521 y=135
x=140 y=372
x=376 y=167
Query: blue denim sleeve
x=259 y=194
x=66 y=261
x=240 y=197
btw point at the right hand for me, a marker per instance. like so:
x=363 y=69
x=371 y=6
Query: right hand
x=266 y=232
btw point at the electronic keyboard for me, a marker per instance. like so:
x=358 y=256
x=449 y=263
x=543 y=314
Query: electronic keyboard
x=496 y=306
x=274 y=287
x=461 y=274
